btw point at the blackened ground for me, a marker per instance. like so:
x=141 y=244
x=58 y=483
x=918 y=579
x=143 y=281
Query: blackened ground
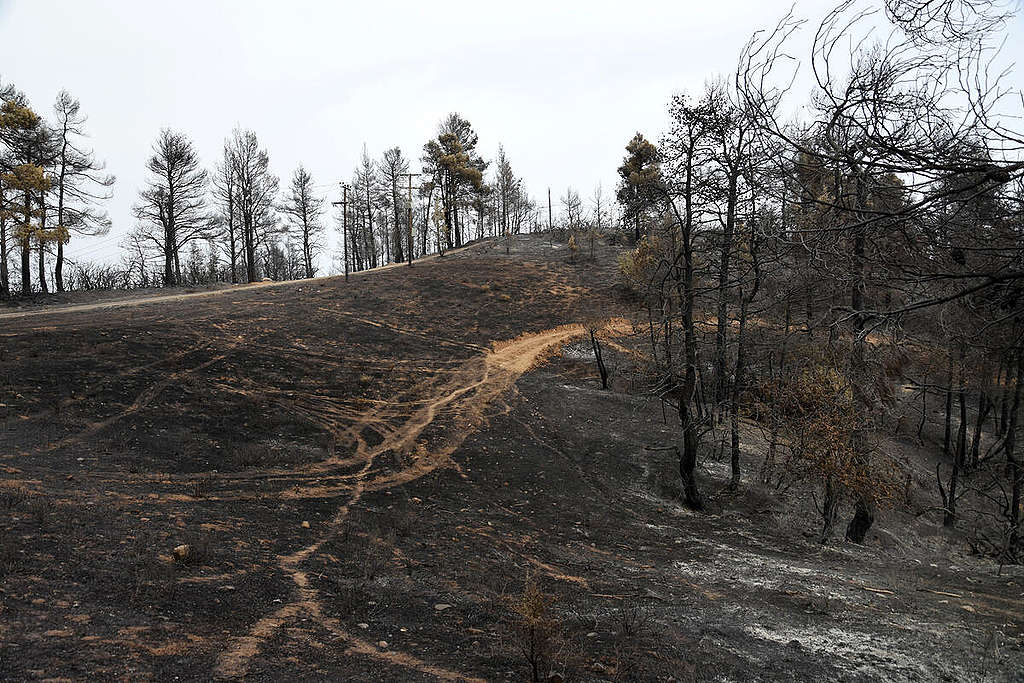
x=364 y=484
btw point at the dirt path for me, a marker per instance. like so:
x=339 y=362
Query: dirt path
x=228 y=291
x=467 y=393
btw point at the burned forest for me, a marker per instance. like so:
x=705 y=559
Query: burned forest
x=413 y=380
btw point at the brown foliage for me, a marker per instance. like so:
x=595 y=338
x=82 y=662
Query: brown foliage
x=535 y=629
x=814 y=406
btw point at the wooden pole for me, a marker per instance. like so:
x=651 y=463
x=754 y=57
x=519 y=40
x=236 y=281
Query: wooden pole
x=551 y=236
x=344 y=224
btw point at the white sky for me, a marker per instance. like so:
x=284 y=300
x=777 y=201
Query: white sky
x=563 y=85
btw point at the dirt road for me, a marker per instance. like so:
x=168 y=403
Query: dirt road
x=120 y=300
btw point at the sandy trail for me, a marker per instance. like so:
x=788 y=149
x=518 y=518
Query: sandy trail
x=467 y=394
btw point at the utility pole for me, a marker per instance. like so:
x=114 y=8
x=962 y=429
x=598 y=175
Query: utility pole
x=344 y=224
x=551 y=236
x=410 y=175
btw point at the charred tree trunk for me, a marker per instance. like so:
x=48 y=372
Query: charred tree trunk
x=595 y=343
x=41 y=240
x=249 y=238
x=26 y=255
x=723 y=293
x=1004 y=399
x=810 y=314
x=41 y=254
x=947 y=439
x=924 y=410
x=829 y=509
x=58 y=267
x=5 y=276
x=168 y=264
x=949 y=518
x=984 y=407
x=864 y=508
x=734 y=401
x=687 y=418
x=773 y=439
x=5 y=282
x=1014 y=464
x=233 y=250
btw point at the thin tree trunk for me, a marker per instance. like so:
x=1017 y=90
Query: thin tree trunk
x=455 y=216
x=168 y=258
x=829 y=509
x=42 y=244
x=595 y=343
x=723 y=294
x=58 y=268
x=232 y=236
x=961 y=435
x=924 y=410
x=5 y=282
x=773 y=440
x=949 y=518
x=250 y=249
x=26 y=255
x=232 y=247
x=1004 y=398
x=687 y=420
x=734 y=401
x=42 y=267
x=307 y=254
x=1013 y=461
x=424 y=233
x=947 y=439
x=984 y=407
x=810 y=314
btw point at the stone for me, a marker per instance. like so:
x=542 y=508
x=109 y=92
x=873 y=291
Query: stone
x=181 y=552
x=305 y=524
x=442 y=606
x=383 y=644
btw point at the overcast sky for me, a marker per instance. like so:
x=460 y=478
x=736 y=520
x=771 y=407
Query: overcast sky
x=562 y=85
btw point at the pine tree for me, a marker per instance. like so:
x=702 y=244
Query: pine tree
x=303 y=210
x=79 y=182
x=172 y=208
x=634 y=193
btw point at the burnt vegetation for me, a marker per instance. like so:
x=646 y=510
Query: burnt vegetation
x=756 y=417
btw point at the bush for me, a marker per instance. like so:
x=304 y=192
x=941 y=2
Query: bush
x=534 y=627
x=813 y=407
x=637 y=267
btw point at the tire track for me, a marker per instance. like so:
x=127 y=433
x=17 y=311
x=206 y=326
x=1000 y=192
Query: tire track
x=467 y=393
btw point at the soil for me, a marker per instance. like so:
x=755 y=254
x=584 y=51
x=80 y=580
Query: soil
x=367 y=473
